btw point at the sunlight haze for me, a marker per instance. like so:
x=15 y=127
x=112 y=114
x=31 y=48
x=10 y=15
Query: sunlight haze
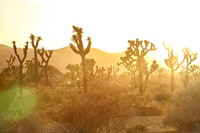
x=99 y=66
x=110 y=24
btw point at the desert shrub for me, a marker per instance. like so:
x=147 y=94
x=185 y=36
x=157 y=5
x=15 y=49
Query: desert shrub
x=6 y=98
x=93 y=110
x=148 y=111
x=28 y=125
x=194 y=91
x=51 y=96
x=6 y=81
x=183 y=115
x=138 y=128
x=162 y=97
x=147 y=106
x=7 y=127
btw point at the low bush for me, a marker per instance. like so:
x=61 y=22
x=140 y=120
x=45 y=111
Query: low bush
x=148 y=111
x=162 y=96
x=7 y=127
x=93 y=110
x=138 y=128
x=183 y=115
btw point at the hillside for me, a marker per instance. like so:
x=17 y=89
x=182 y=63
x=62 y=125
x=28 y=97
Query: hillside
x=62 y=57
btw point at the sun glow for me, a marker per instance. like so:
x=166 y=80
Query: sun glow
x=110 y=24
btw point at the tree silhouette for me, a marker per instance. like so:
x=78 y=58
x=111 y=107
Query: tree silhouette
x=195 y=69
x=99 y=72
x=147 y=72
x=109 y=71
x=74 y=72
x=90 y=63
x=115 y=70
x=77 y=39
x=10 y=63
x=9 y=74
x=130 y=65
x=45 y=56
x=135 y=55
x=189 y=57
x=30 y=70
x=21 y=61
x=172 y=63
x=160 y=72
x=35 y=43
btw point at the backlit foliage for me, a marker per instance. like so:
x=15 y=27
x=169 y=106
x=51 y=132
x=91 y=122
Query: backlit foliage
x=135 y=61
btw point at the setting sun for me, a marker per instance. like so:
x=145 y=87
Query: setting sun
x=109 y=23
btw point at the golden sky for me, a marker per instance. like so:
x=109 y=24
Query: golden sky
x=110 y=23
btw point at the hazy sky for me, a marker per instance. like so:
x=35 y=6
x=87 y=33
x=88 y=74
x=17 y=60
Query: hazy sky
x=110 y=23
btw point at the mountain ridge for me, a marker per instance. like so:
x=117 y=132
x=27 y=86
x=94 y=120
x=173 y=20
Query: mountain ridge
x=63 y=56
x=3 y=45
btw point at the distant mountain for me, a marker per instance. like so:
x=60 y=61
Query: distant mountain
x=2 y=46
x=5 y=52
x=64 y=56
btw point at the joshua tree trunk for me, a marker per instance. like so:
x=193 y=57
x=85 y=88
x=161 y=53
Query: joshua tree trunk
x=145 y=84
x=84 y=74
x=186 y=80
x=46 y=76
x=140 y=80
x=190 y=57
x=20 y=75
x=172 y=80
x=186 y=75
x=78 y=80
x=36 y=68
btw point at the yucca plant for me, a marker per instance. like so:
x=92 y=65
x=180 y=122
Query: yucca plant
x=21 y=61
x=77 y=40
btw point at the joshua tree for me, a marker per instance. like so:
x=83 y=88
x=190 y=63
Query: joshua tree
x=9 y=74
x=30 y=70
x=112 y=70
x=147 y=72
x=77 y=39
x=73 y=70
x=189 y=57
x=195 y=69
x=172 y=63
x=90 y=63
x=115 y=70
x=21 y=61
x=45 y=56
x=160 y=72
x=35 y=44
x=10 y=63
x=109 y=71
x=130 y=65
x=75 y=74
x=99 y=73
x=135 y=54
